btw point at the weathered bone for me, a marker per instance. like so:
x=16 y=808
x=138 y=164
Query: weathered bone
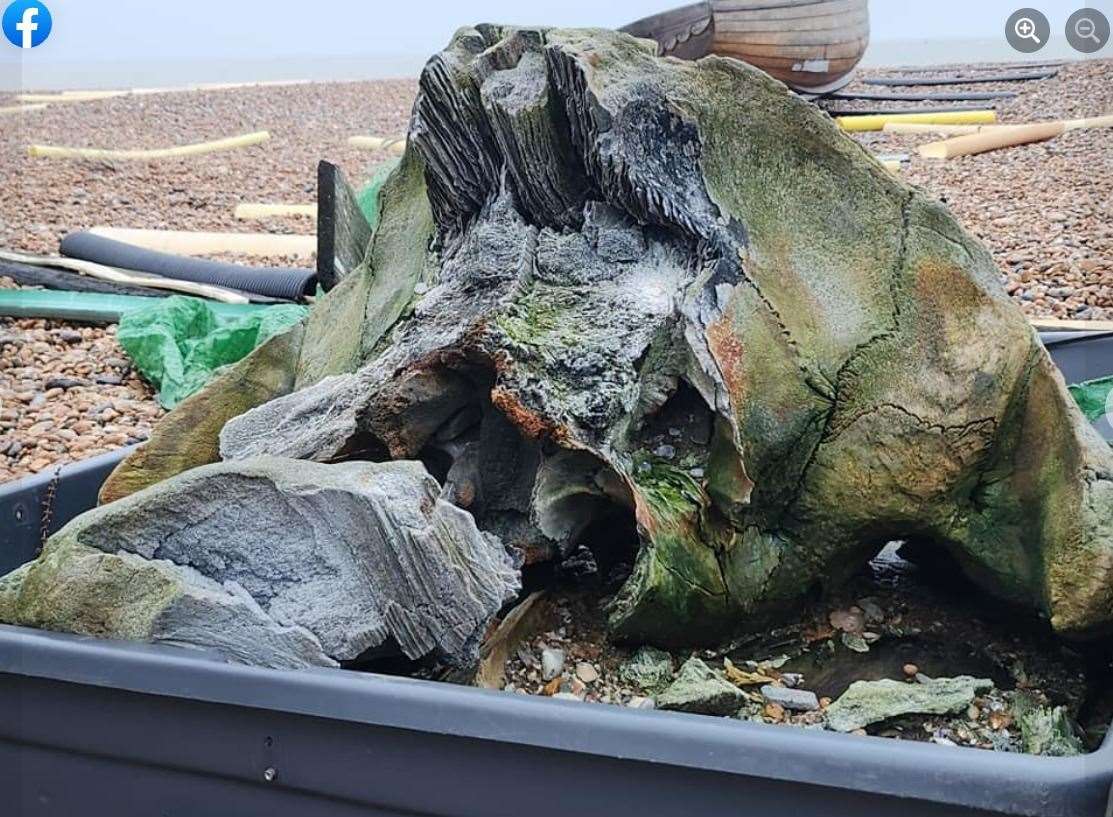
x=783 y=355
x=275 y=562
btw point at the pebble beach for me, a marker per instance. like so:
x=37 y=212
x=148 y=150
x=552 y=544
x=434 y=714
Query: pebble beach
x=1043 y=209
x=68 y=392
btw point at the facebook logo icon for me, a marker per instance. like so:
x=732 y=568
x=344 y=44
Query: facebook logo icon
x=27 y=23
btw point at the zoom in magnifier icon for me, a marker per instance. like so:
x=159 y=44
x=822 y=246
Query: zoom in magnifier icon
x=1026 y=30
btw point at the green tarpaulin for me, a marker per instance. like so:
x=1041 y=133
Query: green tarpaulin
x=179 y=342
x=368 y=197
x=1092 y=395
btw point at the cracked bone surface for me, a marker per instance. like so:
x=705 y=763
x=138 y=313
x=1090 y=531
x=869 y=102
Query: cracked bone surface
x=277 y=563
x=607 y=285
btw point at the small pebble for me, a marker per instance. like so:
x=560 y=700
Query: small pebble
x=874 y=613
x=773 y=712
x=798 y=700
x=849 y=621
x=792 y=679
x=552 y=663
x=65 y=383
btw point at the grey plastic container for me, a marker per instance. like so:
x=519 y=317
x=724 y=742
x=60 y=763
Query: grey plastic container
x=91 y=727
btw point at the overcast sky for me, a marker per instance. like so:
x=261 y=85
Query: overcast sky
x=105 y=31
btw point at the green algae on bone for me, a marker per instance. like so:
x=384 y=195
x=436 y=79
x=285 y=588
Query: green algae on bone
x=670 y=491
x=541 y=318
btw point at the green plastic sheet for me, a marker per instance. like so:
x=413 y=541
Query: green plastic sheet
x=180 y=342
x=1092 y=395
x=368 y=197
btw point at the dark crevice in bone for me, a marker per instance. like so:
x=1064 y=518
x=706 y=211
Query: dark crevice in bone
x=573 y=490
x=612 y=537
x=681 y=428
x=488 y=467
x=363 y=446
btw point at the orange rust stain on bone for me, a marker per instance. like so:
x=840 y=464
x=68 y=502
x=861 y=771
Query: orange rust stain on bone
x=526 y=420
x=726 y=348
x=947 y=289
x=958 y=308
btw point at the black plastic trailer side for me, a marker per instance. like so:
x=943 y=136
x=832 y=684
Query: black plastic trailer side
x=90 y=727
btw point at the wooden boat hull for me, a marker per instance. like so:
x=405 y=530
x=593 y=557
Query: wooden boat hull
x=811 y=45
x=686 y=32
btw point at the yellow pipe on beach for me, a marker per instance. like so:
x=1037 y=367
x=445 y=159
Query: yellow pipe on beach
x=1009 y=136
x=878 y=121
x=17 y=109
x=395 y=145
x=990 y=140
x=942 y=130
x=184 y=242
x=70 y=96
x=245 y=212
x=98 y=154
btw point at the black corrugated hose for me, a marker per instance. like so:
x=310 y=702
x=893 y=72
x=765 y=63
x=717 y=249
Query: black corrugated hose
x=276 y=282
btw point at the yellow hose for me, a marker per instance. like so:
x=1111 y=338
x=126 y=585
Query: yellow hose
x=252 y=210
x=52 y=152
x=991 y=140
x=942 y=130
x=878 y=121
x=17 y=109
x=395 y=145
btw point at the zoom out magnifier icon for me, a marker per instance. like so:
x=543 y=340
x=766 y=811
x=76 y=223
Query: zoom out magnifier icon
x=1087 y=30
